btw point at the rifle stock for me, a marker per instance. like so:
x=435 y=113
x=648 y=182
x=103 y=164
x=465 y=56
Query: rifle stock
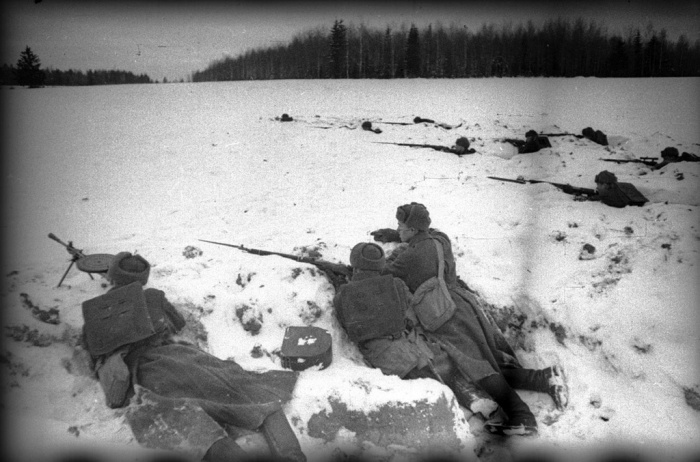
x=566 y=188
x=338 y=273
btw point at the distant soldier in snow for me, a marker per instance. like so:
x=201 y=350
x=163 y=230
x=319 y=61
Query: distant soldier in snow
x=670 y=155
x=533 y=142
x=595 y=135
x=613 y=193
x=471 y=339
x=461 y=146
x=367 y=126
x=182 y=399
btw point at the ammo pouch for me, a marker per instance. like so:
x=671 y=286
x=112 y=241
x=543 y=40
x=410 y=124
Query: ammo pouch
x=115 y=319
x=432 y=301
x=372 y=308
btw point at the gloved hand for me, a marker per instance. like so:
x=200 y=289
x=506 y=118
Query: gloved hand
x=386 y=235
x=580 y=198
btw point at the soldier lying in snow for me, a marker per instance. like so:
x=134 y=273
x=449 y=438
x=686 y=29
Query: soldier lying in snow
x=463 y=348
x=182 y=399
x=614 y=194
x=533 y=142
x=473 y=342
x=670 y=155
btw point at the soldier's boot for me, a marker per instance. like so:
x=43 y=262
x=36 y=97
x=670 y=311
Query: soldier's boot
x=225 y=450
x=472 y=397
x=115 y=379
x=520 y=421
x=550 y=380
x=279 y=435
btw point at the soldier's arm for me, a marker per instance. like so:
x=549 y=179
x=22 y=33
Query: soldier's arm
x=400 y=265
x=174 y=316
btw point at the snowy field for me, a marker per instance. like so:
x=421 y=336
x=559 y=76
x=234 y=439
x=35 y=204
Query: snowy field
x=153 y=168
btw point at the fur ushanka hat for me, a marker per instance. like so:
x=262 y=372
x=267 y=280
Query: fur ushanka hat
x=414 y=215
x=606 y=177
x=367 y=256
x=669 y=153
x=126 y=268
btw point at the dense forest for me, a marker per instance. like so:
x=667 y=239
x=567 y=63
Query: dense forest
x=8 y=76
x=559 y=48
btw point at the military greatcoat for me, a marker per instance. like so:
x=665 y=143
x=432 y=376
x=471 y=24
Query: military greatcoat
x=470 y=337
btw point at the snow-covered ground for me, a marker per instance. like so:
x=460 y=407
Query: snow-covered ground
x=153 y=168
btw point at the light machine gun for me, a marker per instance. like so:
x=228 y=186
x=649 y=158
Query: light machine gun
x=95 y=263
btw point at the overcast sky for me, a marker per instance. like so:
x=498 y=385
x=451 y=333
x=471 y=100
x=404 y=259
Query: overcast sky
x=173 y=39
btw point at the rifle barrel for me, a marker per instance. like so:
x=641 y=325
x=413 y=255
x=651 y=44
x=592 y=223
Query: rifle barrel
x=567 y=188
x=561 y=134
x=260 y=252
x=520 y=181
x=53 y=236
x=413 y=145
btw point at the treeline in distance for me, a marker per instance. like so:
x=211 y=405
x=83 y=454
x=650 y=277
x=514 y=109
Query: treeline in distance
x=559 y=48
x=71 y=77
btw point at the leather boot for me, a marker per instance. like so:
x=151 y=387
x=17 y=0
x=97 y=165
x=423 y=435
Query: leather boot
x=279 y=435
x=550 y=381
x=472 y=397
x=520 y=421
x=225 y=450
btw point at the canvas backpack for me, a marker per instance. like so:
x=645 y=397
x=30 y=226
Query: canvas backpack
x=372 y=308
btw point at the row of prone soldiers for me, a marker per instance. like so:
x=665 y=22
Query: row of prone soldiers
x=608 y=190
x=408 y=314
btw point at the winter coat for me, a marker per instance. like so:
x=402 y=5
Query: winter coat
x=620 y=195
x=224 y=390
x=614 y=197
x=470 y=337
x=393 y=356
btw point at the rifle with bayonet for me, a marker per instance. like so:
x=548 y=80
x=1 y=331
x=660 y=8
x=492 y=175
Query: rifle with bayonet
x=436 y=147
x=338 y=273
x=562 y=134
x=457 y=150
x=515 y=140
x=94 y=263
x=649 y=161
x=567 y=188
x=393 y=123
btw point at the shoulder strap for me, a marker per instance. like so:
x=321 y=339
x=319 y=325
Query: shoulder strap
x=441 y=259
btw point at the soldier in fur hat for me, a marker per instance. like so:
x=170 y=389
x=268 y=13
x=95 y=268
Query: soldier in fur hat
x=533 y=142
x=173 y=384
x=375 y=310
x=670 y=155
x=471 y=339
x=611 y=192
